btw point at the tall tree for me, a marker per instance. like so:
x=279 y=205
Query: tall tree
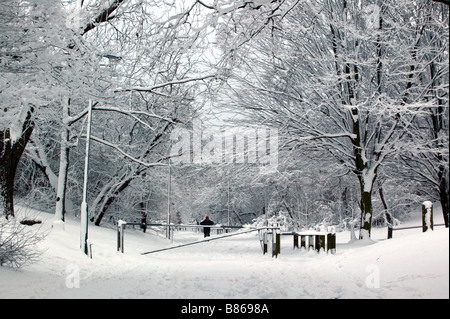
x=342 y=77
x=35 y=56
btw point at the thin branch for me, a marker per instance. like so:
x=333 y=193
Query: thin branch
x=132 y=113
x=117 y=148
x=161 y=85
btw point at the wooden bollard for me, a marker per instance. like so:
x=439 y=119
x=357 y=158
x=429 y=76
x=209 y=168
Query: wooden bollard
x=277 y=249
x=320 y=242
x=427 y=216
x=331 y=242
x=303 y=241
x=310 y=242
x=265 y=243
x=295 y=241
x=120 y=235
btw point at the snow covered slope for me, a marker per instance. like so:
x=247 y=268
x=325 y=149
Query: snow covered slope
x=412 y=265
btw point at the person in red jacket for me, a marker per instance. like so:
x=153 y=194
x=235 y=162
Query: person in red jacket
x=207 y=230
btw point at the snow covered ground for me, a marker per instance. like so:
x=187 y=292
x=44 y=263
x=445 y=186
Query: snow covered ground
x=412 y=265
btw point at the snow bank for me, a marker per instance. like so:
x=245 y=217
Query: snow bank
x=412 y=265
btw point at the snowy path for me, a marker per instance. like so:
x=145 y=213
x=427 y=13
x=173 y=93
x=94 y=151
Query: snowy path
x=414 y=265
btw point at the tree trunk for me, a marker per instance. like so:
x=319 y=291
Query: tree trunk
x=110 y=199
x=366 y=183
x=444 y=198
x=366 y=176
x=439 y=125
x=143 y=210
x=11 y=150
x=40 y=160
x=387 y=214
x=8 y=167
x=60 y=209
x=366 y=215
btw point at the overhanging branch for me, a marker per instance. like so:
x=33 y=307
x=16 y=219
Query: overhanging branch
x=99 y=140
x=161 y=85
x=103 y=16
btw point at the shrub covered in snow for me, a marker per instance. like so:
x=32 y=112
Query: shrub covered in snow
x=281 y=219
x=18 y=243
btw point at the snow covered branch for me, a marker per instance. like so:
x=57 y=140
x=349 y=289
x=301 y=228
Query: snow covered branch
x=103 y=16
x=117 y=148
x=132 y=113
x=162 y=85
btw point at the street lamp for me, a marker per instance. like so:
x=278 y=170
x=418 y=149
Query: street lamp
x=169 y=190
x=84 y=206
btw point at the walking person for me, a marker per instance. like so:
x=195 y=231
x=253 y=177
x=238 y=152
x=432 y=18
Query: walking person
x=207 y=230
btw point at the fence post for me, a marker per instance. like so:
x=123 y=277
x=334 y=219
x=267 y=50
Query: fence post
x=265 y=240
x=331 y=239
x=90 y=248
x=320 y=242
x=274 y=248
x=295 y=240
x=260 y=239
x=427 y=216
x=331 y=242
x=122 y=229
x=118 y=237
x=277 y=246
x=303 y=241
x=310 y=242
x=120 y=234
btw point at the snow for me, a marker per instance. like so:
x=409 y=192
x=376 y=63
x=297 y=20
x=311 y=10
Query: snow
x=16 y=127
x=261 y=2
x=427 y=204
x=411 y=265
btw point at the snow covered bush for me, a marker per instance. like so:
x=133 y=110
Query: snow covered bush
x=18 y=243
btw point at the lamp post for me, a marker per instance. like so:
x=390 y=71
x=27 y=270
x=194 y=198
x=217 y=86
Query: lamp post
x=84 y=206
x=229 y=221
x=169 y=190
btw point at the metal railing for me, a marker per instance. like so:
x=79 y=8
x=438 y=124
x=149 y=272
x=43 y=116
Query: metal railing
x=269 y=230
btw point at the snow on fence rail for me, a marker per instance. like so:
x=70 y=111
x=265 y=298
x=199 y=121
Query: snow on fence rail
x=413 y=227
x=427 y=220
